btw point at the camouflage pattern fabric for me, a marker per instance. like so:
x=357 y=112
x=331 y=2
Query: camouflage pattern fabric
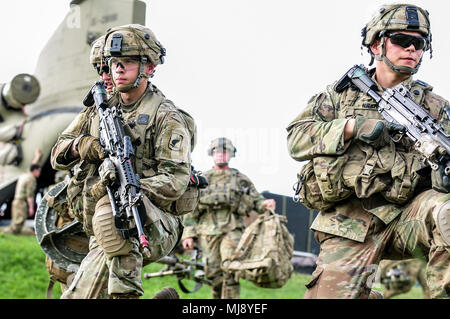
x=163 y=144
x=378 y=195
x=346 y=268
x=218 y=223
x=263 y=255
x=25 y=188
x=410 y=271
x=217 y=252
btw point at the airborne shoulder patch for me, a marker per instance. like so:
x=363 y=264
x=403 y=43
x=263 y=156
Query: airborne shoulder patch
x=175 y=142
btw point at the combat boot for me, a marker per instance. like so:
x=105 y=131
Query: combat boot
x=167 y=293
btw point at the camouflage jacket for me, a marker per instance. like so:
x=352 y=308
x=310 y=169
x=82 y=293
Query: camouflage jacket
x=229 y=196
x=160 y=137
x=25 y=187
x=318 y=132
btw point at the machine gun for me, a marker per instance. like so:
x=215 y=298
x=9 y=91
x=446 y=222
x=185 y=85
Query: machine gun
x=397 y=106
x=183 y=269
x=125 y=191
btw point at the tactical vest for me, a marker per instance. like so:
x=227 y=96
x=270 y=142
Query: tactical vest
x=143 y=125
x=226 y=191
x=362 y=170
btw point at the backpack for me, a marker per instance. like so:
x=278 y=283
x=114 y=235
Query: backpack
x=263 y=254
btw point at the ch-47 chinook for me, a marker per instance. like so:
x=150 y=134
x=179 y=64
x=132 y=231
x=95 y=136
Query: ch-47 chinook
x=36 y=108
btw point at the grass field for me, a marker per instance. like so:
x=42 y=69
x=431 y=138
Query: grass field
x=23 y=276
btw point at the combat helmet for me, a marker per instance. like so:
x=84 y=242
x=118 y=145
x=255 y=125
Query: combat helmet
x=96 y=55
x=396 y=17
x=222 y=143
x=137 y=41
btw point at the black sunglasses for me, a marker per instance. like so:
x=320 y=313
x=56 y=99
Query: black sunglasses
x=405 y=40
x=102 y=69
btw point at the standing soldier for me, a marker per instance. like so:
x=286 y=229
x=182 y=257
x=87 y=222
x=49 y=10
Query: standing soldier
x=219 y=222
x=375 y=204
x=163 y=137
x=23 y=203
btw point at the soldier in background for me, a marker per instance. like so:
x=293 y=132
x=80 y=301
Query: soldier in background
x=98 y=61
x=399 y=276
x=218 y=223
x=23 y=203
x=374 y=204
x=163 y=138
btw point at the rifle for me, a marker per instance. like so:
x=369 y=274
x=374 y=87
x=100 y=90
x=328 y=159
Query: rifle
x=397 y=106
x=125 y=191
x=183 y=269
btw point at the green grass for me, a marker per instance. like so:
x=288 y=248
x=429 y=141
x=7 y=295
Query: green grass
x=23 y=276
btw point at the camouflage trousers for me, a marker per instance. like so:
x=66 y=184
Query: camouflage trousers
x=346 y=268
x=102 y=275
x=217 y=252
x=19 y=214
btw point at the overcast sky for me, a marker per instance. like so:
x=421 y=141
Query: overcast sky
x=242 y=68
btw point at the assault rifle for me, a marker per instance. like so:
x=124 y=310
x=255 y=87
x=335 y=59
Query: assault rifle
x=183 y=269
x=397 y=106
x=125 y=191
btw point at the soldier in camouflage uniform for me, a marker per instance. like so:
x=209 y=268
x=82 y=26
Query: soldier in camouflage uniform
x=373 y=202
x=218 y=223
x=23 y=203
x=98 y=61
x=163 y=137
x=399 y=276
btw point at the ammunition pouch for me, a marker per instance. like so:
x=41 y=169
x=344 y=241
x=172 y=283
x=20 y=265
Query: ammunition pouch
x=218 y=195
x=187 y=202
x=308 y=191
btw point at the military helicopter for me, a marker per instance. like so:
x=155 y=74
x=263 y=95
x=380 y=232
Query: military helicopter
x=36 y=108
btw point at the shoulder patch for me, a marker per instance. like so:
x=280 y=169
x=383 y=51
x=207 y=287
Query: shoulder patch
x=143 y=119
x=175 y=142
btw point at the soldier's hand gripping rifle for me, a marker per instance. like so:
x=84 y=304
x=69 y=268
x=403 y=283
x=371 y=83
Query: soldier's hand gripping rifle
x=397 y=106
x=125 y=189
x=183 y=269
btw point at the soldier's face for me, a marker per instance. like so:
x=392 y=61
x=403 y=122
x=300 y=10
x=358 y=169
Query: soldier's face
x=401 y=56
x=104 y=75
x=221 y=157
x=126 y=70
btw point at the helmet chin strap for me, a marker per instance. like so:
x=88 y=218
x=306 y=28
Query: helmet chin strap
x=402 y=70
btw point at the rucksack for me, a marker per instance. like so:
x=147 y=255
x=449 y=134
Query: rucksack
x=263 y=254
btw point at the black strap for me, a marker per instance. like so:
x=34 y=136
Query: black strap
x=187 y=291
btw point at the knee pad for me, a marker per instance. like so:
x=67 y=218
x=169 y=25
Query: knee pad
x=441 y=215
x=108 y=238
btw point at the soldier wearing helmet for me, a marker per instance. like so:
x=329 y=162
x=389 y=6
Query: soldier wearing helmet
x=99 y=63
x=163 y=138
x=373 y=202
x=218 y=223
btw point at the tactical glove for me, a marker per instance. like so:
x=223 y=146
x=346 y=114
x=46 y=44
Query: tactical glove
x=439 y=180
x=98 y=190
x=89 y=149
x=375 y=132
